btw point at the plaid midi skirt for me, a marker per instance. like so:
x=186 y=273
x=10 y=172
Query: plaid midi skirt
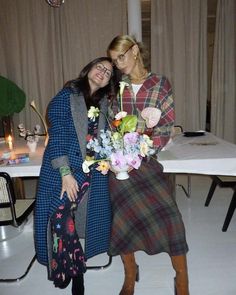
x=145 y=214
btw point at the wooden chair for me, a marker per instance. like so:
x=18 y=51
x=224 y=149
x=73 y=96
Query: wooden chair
x=224 y=181
x=13 y=215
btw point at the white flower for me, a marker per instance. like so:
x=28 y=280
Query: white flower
x=86 y=164
x=32 y=104
x=122 y=87
x=120 y=115
x=93 y=113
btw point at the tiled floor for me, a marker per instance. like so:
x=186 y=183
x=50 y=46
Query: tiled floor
x=212 y=255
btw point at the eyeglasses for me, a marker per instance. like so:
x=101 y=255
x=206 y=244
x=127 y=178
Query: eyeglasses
x=101 y=68
x=121 y=57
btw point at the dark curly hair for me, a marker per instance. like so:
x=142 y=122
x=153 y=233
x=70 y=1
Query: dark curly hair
x=81 y=84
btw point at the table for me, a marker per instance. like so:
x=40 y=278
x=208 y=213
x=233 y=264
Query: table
x=207 y=155
x=29 y=169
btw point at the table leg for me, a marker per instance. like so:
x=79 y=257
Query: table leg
x=189 y=185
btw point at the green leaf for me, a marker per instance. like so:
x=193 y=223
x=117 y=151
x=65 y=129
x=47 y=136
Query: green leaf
x=128 y=124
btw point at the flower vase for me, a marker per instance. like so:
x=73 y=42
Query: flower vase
x=32 y=145
x=121 y=173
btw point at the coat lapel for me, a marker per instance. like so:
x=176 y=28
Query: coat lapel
x=80 y=118
x=103 y=114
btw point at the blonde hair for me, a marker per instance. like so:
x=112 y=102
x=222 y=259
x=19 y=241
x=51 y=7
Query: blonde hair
x=124 y=42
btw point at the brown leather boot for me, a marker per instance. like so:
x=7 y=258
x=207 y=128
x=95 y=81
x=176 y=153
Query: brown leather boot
x=181 y=280
x=131 y=274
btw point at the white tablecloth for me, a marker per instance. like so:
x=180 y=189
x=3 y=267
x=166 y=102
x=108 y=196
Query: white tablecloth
x=205 y=154
x=29 y=169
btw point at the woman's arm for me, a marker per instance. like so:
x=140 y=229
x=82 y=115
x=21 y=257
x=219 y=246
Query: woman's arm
x=59 y=134
x=161 y=133
x=59 y=115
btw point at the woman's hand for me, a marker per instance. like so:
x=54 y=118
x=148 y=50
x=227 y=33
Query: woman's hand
x=70 y=186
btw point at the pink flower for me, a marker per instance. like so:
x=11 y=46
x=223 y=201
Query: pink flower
x=133 y=160
x=118 y=159
x=131 y=138
x=151 y=115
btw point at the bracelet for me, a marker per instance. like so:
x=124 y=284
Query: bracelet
x=65 y=170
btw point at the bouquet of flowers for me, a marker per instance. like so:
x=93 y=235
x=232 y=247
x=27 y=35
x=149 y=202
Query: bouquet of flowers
x=119 y=148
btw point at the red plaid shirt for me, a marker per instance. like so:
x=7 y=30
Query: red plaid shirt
x=155 y=92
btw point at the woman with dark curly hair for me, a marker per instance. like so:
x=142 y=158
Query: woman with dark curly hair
x=70 y=203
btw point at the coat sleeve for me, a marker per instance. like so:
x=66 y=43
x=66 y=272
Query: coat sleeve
x=59 y=116
x=161 y=133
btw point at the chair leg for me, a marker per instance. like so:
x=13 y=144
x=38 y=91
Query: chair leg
x=211 y=192
x=23 y=275
x=230 y=213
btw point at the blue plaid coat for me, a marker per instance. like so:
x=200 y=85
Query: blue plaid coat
x=68 y=127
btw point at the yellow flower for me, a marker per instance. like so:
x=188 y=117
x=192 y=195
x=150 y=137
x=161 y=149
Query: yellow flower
x=144 y=149
x=148 y=140
x=116 y=136
x=103 y=167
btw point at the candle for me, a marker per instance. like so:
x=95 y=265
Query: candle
x=10 y=142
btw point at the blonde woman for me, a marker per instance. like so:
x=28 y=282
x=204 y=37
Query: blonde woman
x=145 y=214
